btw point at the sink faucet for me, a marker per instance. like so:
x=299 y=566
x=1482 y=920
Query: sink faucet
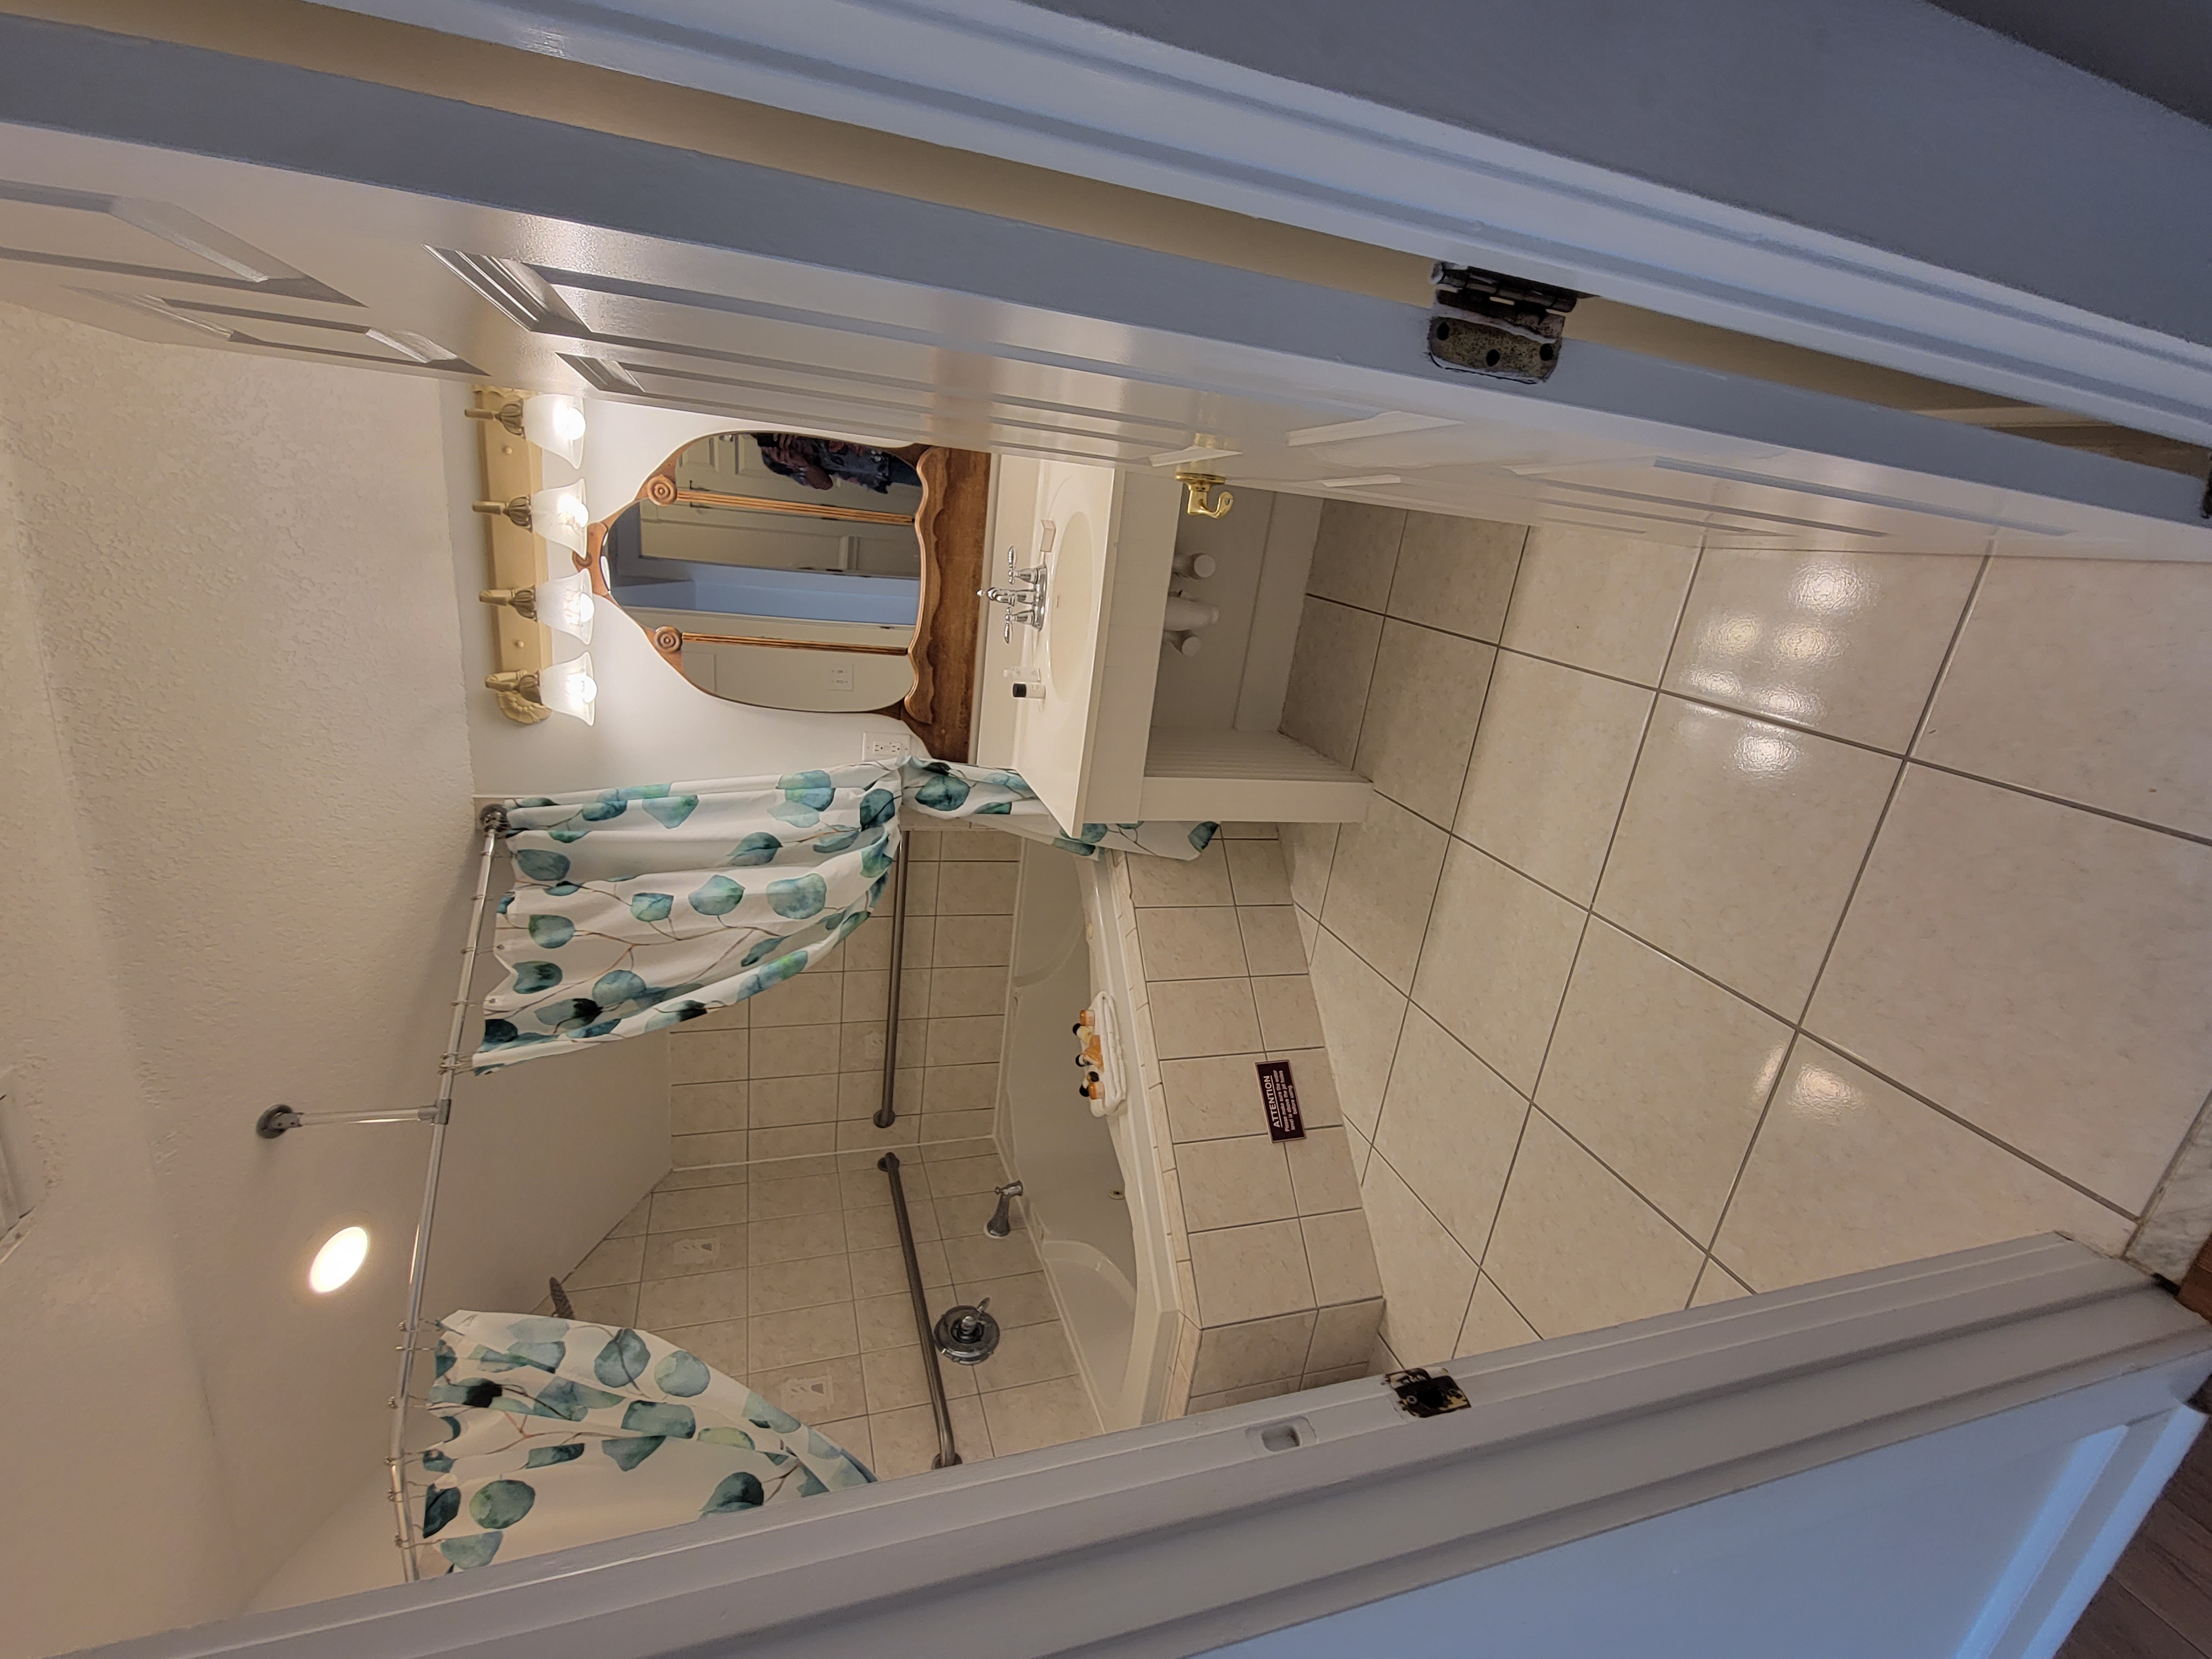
x=1023 y=595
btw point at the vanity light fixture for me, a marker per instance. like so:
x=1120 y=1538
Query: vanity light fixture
x=555 y=424
x=559 y=515
x=338 y=1260
x=567 y=688
x=564 y=605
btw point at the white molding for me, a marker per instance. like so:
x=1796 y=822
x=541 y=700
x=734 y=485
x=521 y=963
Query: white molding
x=1014 y=80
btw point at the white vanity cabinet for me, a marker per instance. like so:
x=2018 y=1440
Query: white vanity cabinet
x=1071 y=670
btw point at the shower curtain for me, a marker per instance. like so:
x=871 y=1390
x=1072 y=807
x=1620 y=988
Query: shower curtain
x=634 y=909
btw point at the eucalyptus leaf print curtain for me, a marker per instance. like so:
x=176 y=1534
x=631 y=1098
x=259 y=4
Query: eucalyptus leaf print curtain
x=634 y=909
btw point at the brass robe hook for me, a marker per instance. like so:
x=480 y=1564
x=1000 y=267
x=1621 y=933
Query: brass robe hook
x=1197 y=486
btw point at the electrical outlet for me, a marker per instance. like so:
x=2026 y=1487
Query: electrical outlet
x=888 y=748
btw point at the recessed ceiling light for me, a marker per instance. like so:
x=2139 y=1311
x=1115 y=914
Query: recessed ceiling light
x=339 y=1260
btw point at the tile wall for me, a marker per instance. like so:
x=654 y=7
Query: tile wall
x=1277 y=1271
x=770 y=1249
x=1729 y=919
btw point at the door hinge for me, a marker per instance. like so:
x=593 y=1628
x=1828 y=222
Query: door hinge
x=1420 y=1394
x=1507 y=327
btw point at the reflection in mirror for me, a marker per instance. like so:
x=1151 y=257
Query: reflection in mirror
x=777 y=569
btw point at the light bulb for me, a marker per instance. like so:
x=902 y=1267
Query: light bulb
x=339 y=1260
x=557 y=426
x=567 y=688
x=565 y=605
x=560 y=516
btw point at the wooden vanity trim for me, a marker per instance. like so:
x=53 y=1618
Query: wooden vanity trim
x=949 y=523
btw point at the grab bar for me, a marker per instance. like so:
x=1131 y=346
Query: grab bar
x=947 y=1453
x=887 y=1114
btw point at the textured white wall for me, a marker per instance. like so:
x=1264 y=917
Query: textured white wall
x=239 y=819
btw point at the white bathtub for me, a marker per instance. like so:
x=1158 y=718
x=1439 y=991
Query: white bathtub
x=1090 y=1194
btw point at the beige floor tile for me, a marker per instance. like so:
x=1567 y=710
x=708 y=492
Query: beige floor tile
x=950 y=1177
x=798 y=1335
x=1356 y=553
x=977 y=890
x=695 y=1299
x=1456 y=573
x=1204 y=1016
x=778 y=1102
x=1575 y=1249
x=1331 y=665
x=974 y=941
x=695 y=1250
x=1322 y=1176
x=1038 y=1414
x=875 y=1229
x=606 y=1305
x=964 y=1041
x=1250 y=1273
x=1256 y=868
x=1496 y=962
x=1181 y=883
x=1314 y=1079
x=852 y=1433
x=2044 y=973
x=709 y=1056
x=788 y=1238
x=974 y=1255
x=1850 y=1174
x=698 y=1108
x=795 y=1050
x=2087 y=679
x=962 y=1215
x=867 y=997
x=962 y=842
x=1025 y=1353
x=1381 y=887
x=1449 y=1128
x=611 y=1261
x=682 y=1179
x=1308 y=851
x=812 y=998
x=814 y=1390
x=1422 y=709
x=1017 y=1299
x=1361 y=1012
x=786 y=1154
x=904 y=1442
x=774 y=1199
x=1739 y=845
x=1233 y=1356
x=1270 y=937
x=1662 y=1074
x=781 y=1286
x=971 y=1435
x=1214 y=1096
x=1309 y=933
x=722 y=1345
x=963 y=992
x=1426 y=1277
x=883 y=1272
x=1196 y=943
x=1550 y=769
x=1717 y=1284
x=886 y=1321
x=635 y=1221
x=1600 y=602
x=1847 y=643
x=1491 y=1322
x=714 y=1153
x=1231 y=1184
x=1289 y=1016
x=896 y=1378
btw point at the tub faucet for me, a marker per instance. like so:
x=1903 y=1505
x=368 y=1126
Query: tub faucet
x=1001 y=1223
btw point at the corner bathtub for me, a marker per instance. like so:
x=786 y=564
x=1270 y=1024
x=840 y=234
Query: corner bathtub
x=1091 y=1194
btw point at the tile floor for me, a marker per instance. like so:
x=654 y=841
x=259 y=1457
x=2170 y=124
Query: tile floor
x=795 y=1283
x=1728 y=919
x=769 y=1249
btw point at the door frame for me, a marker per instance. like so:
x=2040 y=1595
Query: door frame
x=1217 y=1535
x=1029 y=84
